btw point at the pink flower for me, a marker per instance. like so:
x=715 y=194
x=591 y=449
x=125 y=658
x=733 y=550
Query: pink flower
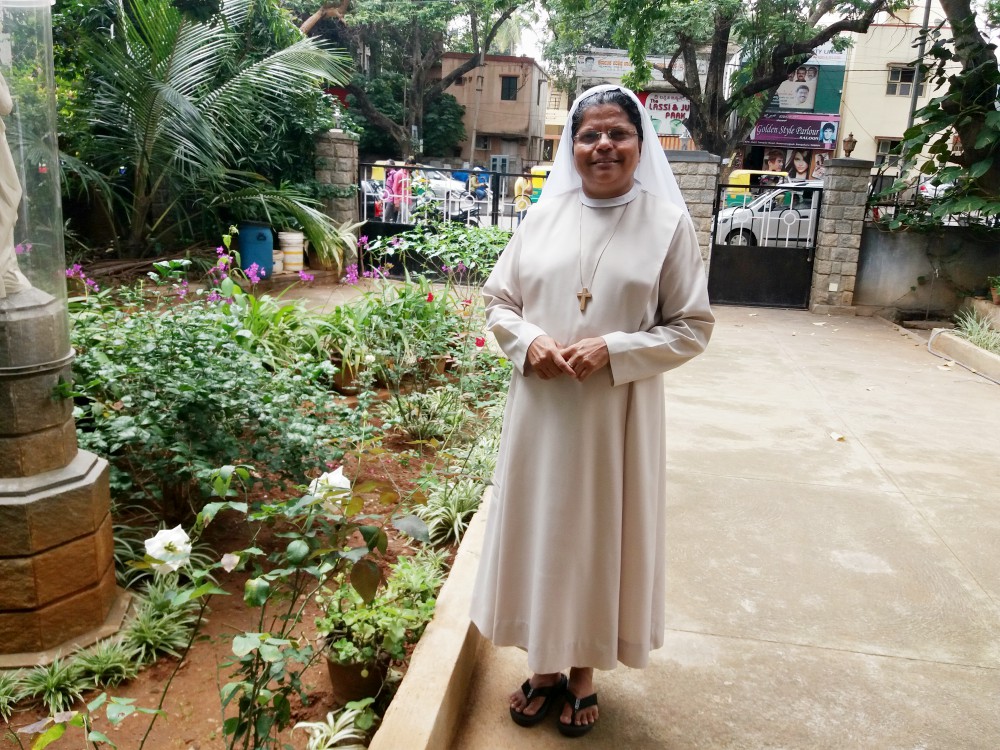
x=430 y=296
x=480 y=341
x=254 y=273
x=351 y=274
x=220 y=250
x=363 y=241
x=306 y=276
x=466 y=302
x=214 y=296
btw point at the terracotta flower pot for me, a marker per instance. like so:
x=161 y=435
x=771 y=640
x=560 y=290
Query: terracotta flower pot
x=351 y=682
x=995 y=292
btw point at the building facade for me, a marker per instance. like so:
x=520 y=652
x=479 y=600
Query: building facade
x=505 y=101
x=878 y=86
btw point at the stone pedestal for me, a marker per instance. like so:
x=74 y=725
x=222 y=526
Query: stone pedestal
x=56 y=550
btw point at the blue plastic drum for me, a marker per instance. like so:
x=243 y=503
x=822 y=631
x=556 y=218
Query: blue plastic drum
x=256 y=245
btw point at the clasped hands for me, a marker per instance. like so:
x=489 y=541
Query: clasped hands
x=579 y=361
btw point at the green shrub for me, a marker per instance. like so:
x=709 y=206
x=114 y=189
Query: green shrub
x=58 y=685
x=11 y=691
x=977 y=331
x=449 y=508
x=108 y=663
x=158 y=626
x=170 y=392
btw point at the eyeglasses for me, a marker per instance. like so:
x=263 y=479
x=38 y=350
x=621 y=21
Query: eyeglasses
x=593 y=137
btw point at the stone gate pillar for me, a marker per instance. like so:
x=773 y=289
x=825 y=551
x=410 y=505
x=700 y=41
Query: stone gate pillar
x=697 y=174
x=838 y=239
x=337 y=166
x=57 y=575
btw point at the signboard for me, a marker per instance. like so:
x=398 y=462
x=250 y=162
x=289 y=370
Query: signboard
x=788 y=129
x=797 y=163
x=799 y=91
x=668 y=113
x=614 y=65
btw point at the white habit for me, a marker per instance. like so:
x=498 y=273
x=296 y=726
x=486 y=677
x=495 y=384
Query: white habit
x=572 y=569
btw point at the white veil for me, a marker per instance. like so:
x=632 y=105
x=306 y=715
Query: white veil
x=653 y=172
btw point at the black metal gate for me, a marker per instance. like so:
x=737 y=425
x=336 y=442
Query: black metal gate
x=763 y=244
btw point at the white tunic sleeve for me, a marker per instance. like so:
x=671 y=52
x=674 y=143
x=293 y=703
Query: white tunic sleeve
x=504 y=306
x=683 y=321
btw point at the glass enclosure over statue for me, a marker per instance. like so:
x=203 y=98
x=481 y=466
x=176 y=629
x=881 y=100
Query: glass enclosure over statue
x=31 y=240
x=56 y=549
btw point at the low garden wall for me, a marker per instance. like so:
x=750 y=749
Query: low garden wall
x=912 y=271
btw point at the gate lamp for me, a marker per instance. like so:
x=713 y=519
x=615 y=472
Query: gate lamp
x=849 y=144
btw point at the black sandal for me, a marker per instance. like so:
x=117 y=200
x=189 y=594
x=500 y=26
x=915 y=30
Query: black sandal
x=551 y=694
x=577 y=704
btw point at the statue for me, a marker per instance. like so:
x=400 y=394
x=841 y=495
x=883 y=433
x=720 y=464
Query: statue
x=11 y=278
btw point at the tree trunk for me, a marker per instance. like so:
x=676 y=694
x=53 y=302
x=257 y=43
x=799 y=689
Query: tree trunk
x=974 y=89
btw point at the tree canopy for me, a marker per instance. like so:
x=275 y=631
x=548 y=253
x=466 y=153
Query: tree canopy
x=405 y=39
x=770 y=38
x=961 y=128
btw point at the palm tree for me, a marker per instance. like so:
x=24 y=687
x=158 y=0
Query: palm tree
x=171 y=104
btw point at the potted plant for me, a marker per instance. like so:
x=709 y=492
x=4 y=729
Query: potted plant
x=994 y=284
x=362 y=638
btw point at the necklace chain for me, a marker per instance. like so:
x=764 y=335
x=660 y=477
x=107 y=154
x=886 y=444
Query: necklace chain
x=585 y=295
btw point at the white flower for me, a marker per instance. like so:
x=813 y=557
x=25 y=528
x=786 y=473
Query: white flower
x=169 y=549
x=369 y=359
x=330 y=483
x=229 y=562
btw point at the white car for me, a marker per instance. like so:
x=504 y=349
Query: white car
x=442 y=184
x=786 y=215
x=930 y=190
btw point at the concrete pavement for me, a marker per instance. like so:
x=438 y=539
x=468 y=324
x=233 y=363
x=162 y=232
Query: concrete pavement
x=833 y=576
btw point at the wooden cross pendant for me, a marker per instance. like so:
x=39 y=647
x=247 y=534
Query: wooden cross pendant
x=584 y=296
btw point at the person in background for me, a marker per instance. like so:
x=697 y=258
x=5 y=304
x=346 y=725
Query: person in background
x=404 y=189
x=522 y=195
x=390 y=206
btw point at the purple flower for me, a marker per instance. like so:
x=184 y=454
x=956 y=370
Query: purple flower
x=396 y=241
x=351 y=274
x=363 y=240
x=445 y=269
x=308 y=276
x=460 y=268
x=254 y=273
x=22 y=248
x=220 y=250
x=214 y=296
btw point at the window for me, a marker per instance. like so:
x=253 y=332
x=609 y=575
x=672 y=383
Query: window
x=554 y=100
x=460 y=81
x=508 y=88
x=482 y=143
x=548 y=149
x=882 y=156
x=900 y=81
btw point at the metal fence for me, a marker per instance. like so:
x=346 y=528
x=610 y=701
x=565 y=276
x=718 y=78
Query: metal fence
x=473 y=197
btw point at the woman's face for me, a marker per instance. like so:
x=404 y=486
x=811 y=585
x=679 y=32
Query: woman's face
x=800 y=162
x=606 y=167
